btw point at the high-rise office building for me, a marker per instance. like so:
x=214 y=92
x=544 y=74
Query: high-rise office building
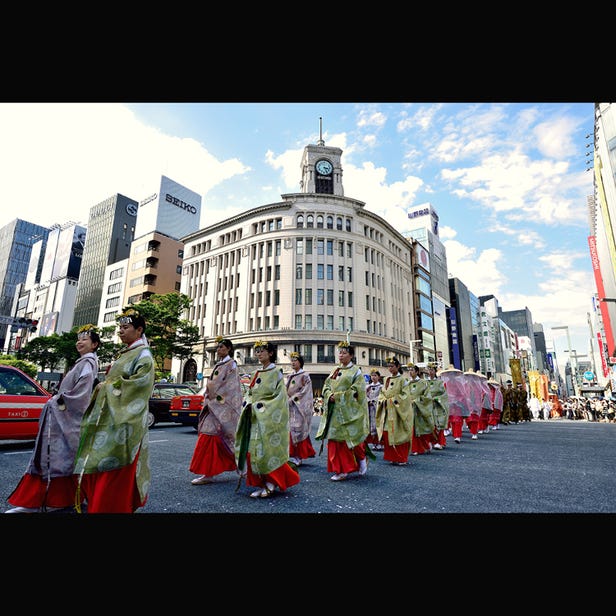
x=16 y=241
x=111 y=229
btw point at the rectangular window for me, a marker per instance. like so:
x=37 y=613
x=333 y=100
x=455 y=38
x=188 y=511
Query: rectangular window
x=308 y=297
x=298 y=297
x=308 y=318
x=320 y=297
x=320 y=321
x=320 y=271
x=308 y=271
x=298 y=321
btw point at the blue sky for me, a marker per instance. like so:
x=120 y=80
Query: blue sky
x=508 y=180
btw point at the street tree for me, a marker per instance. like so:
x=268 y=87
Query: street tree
x=169 y=335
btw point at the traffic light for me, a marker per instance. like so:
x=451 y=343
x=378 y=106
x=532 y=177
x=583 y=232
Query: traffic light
x=23 y=323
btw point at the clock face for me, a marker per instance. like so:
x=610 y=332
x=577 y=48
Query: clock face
x=324 y=167
x=131 y=209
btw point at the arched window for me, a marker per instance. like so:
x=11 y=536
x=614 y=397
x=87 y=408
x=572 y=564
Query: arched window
x=330 y=222
x=310 y=221
x=319 y=221
x=348 y=224
x=300 y=221
x=339 y=223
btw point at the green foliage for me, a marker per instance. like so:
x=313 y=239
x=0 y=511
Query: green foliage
x=167 y=332
x=25 y=366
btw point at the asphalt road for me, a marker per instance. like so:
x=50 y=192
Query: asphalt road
x=556 y=466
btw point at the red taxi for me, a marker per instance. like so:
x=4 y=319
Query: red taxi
x=21 y=402
x=185 y=409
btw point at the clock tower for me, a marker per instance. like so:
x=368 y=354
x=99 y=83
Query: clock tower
x=321 y=168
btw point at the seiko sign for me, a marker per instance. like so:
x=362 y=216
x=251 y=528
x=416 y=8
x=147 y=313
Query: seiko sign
x=181 y=204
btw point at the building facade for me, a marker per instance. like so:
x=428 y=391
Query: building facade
x=303 y=273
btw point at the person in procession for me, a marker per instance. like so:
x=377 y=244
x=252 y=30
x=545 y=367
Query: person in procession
x=214 y=451
x=477 y=401
x=301 y=410
x=496 y=396
x=458 y=396
x=373 y=389
x=262 y=437
x=423 y=417
x=394 y=415
x=436 y=391
x=344 y=422
x=112 y=460
x=49 y=483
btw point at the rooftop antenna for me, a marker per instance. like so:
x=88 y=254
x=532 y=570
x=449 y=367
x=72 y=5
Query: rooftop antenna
x=320 y=141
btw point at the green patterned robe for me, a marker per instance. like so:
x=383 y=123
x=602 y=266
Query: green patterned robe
x=422 y=406
x=436 y=391
x=114 y=427
x=349 y=420
x=394 y=411
x=267 y=405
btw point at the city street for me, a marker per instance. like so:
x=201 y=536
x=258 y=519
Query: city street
x=557 y=466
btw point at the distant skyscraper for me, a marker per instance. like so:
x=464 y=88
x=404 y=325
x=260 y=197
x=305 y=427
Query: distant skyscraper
x=16 y=241
x=111 y=229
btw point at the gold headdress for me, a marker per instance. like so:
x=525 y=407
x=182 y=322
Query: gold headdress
x=432 y=364
x=86 y=330
x=374 y=371
x=344 y=344
x=218 y=339
x=260 y=343
x=389 y=360
x=411 y=365
x=128 y=316
x=295 y=355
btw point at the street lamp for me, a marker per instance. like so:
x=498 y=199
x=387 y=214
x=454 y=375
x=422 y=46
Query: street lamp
x=413 y=350
x=570 y=354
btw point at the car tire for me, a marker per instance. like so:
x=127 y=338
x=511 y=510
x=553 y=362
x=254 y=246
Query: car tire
x=151 y=419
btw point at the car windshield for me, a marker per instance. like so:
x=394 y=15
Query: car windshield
x=15 y=384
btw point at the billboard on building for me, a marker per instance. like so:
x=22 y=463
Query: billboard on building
x=174 y=210
x=50 y=255
x=35 y=256
x=69 y=252
x=47 y=326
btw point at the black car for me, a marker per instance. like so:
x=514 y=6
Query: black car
x=161 y=400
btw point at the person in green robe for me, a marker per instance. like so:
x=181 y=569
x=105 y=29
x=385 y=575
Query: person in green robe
x=394 y=415
x=344 y=422
x=262 y=435
x=112 y=461
x=423 y=418
x=436 y=391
